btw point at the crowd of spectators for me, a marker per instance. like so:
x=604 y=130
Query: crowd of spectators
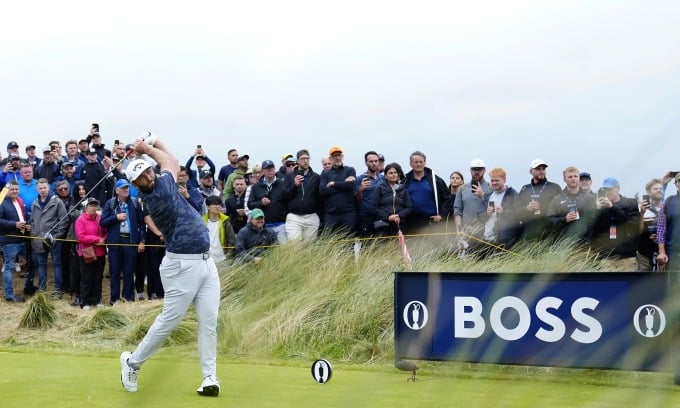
x=59 y=204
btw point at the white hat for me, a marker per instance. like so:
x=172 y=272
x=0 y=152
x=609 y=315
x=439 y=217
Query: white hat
x=136 y=168
x=538 y=162
x=477 y=163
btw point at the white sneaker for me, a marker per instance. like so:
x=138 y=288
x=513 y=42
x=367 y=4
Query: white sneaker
x=210 y=387
x=86 y=307
x=128 y=375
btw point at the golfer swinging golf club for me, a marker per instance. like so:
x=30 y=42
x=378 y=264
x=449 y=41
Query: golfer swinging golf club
x=188 y=272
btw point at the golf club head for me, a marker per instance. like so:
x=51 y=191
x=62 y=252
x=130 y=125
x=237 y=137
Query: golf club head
x=48 y=241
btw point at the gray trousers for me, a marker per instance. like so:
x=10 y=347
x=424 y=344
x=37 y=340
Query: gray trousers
x=187 y=279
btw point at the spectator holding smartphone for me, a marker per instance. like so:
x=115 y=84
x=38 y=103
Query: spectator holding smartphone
x=534 y=200
x=616 y=228
x=650 y=207
x=469 y=208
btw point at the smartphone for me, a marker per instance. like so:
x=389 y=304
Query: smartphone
x=182 y=184
x=492 y=205
x=107 y=154
x=475 y=183
x=117 y=142
x=602 y=192
x=198 y=147
x=645 y=198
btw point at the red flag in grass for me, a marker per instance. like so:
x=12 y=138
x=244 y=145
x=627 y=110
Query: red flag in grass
x=404 y=250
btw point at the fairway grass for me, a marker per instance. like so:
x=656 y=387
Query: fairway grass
x=302 y=302
x=63 y=380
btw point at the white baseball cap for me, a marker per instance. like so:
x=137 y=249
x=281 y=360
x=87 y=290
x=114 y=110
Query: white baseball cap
x=538 y=162
x=477 y=163
x=136 y=168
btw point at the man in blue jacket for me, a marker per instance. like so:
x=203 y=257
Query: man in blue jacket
x=123 y=218
x=13 y=224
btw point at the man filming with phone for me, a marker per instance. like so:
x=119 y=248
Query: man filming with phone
x=470 y=208
x=650 y=207
x=302 y=195
x=616 y=227
x=203 y=164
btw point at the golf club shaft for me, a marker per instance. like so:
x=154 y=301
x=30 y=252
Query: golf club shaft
x=127 y=155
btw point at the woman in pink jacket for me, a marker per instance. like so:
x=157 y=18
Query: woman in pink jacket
x=91 y=234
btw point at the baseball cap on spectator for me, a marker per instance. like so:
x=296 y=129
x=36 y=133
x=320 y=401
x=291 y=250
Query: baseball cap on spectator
x=243 y=157
x=128 y=147
x=83 y=141
x=206 y=174
x=91 y=150
x=30 y=147
x=334 y=149
x=536 y=163
x=12 y=145
x=13 y=157
x=287 y=156
x=90 y=200
x=122 y=183
x=267 y=163
x=381 y=158
x=67 y=164
x=610 y=182
x=256 y=213
x=477 y=164
x=584 y=175
x=46 y=149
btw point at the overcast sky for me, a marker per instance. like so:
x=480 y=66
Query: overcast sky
x=593 y=84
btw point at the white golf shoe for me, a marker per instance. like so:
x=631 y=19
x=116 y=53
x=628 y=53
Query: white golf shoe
x=210 y=387
x=128 y=375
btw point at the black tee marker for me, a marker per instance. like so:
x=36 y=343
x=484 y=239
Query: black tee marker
x=322 y=371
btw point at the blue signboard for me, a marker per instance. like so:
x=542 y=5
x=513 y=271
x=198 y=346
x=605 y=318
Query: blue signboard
x=597 y=320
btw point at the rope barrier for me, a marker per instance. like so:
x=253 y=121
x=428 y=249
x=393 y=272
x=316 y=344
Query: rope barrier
x=338 y=241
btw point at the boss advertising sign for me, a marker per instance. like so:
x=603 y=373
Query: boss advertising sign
x=596 y=320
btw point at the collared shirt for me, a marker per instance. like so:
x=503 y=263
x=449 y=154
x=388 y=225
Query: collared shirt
x=180 y=223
